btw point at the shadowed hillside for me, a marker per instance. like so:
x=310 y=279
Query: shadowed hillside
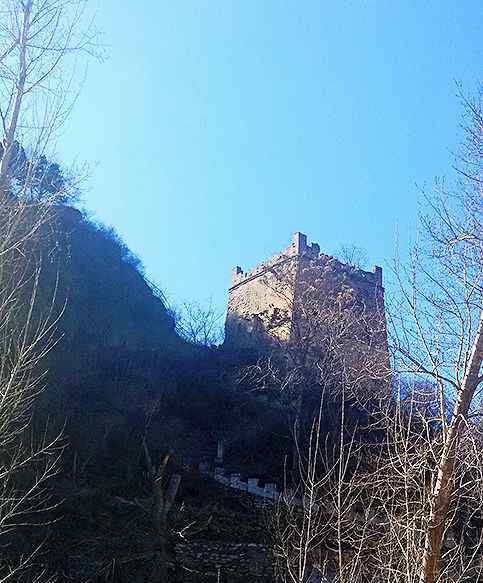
x=109 y=303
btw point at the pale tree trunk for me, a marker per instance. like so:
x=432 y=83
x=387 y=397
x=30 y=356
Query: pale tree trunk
x=163 y=500
x=164 y=495
x=9 y=139
x=443 y=488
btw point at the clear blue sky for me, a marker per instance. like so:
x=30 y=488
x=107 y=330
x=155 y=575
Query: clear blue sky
x=216 y=128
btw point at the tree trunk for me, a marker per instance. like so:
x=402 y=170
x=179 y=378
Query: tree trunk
x=163 y=501
x=9 y=139
x=441 y=495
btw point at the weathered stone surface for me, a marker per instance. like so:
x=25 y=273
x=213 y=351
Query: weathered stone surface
x=265 y=302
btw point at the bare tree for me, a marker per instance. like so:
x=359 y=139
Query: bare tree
x=418 y=487
x=27 y=333
x=39 y=45
x=164 y=490
x=312 y=520
x=359 y=511
x=353 y=256
x=438 y=329
x=199 y=324
x=39 y=42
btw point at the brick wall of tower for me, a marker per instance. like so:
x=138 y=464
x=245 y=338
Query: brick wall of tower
x=260 y=300
x=352 y=299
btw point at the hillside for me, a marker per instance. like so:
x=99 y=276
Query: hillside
x=109 y=303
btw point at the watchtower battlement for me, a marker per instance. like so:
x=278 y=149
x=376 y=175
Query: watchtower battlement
x=261 y=300
x=299 y=247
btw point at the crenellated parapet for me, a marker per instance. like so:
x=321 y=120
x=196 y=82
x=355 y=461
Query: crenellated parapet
x=250 y=485
x=297 y=248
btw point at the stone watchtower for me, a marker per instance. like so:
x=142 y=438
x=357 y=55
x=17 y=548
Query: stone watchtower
x=263 y=302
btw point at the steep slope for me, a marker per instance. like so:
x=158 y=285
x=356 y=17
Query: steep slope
x=108 y=301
